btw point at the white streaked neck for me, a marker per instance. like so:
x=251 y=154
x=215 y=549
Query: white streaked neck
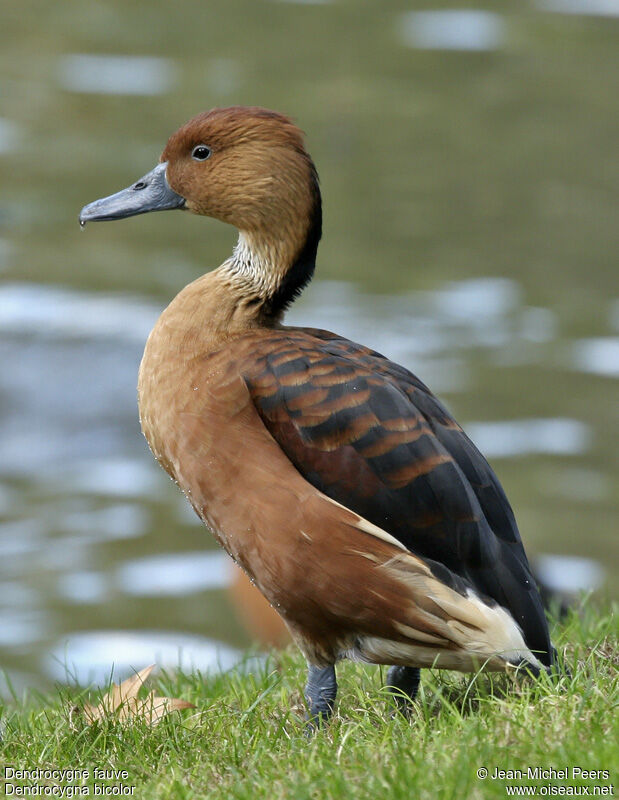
x=258 y=265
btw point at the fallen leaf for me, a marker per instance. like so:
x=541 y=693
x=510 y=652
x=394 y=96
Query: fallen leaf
x=122 y=703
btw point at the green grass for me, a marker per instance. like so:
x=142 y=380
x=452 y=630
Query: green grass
x=246 y=739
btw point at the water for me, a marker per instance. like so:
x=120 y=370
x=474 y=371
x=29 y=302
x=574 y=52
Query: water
x=9 y=136
x=523 y=437
x=470 y=234
x=594 y=8
x=125 y=75
x=175 y=574
x=466 y=30
x=598 y=355
x=97 y=656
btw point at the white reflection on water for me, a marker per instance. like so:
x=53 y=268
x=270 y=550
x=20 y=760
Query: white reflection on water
x=21 y=627
x=111 y=74
x=175 y=573
x=569 y=575
x=453 y=29
x=83 y=587
x=597 y=8
x=116 y=521
x=19 y=537
x=90 y=657
x=114 y=477
x=599 y=356
x=28 y=308
x=478 y=301
x=59 y=553
x=67 y=390
x=522 y=437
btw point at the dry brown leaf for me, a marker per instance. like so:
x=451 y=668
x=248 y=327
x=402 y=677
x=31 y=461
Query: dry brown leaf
x=122 y=702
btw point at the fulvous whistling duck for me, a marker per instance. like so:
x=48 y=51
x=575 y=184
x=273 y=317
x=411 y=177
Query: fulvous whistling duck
x=332 y=475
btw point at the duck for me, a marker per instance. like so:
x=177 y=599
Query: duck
x=332 y=475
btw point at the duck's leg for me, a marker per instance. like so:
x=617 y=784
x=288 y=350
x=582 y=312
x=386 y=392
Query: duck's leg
x=403 y=683
x=320 y=693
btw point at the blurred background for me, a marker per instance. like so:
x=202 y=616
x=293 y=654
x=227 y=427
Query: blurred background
x=469 y=161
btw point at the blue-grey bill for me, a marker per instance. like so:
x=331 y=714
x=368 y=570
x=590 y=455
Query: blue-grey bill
x=150 y=193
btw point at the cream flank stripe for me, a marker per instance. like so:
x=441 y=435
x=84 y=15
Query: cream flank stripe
x=487 y=630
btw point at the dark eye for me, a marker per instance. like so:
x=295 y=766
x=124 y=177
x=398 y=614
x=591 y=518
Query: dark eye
x=201 y=152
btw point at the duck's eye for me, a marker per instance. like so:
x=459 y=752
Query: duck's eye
x=201 y=152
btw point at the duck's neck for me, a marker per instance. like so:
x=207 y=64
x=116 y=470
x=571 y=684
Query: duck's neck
x=268 y=270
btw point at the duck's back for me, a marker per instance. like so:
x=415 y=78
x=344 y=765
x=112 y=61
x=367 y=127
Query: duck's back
x=367 y=433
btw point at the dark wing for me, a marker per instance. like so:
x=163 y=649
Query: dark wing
x=367 y=433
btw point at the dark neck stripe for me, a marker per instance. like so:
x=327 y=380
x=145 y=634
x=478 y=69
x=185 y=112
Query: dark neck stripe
x=301 y=270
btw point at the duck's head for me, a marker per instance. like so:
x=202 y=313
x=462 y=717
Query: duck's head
x=244 y=166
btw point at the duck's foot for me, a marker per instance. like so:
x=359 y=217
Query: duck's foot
x=403 y=683
x=320 y=693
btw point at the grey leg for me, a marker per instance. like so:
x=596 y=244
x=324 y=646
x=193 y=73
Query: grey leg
x=320 y=693
x=403 y=682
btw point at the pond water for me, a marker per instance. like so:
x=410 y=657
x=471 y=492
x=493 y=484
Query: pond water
x=469 y=171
